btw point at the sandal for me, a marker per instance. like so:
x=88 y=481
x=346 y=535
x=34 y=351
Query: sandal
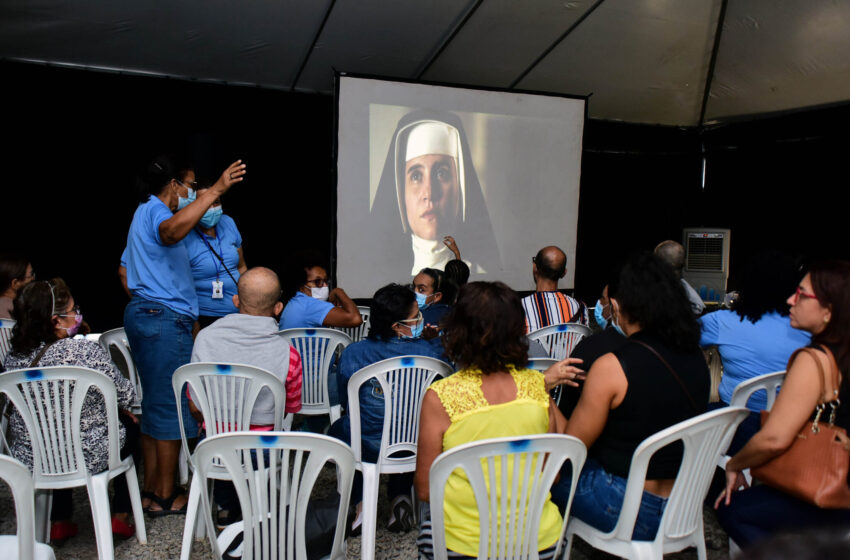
x=147 y=496
x=166 y=503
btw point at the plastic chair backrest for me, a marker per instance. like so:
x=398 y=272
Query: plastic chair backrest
x=361 y=332
x=50 y=401
x=274 y=489
x=5 y=337
x=225 y=394
x=523 y=487
x=17 y=477
x=404 y=380
x=541 y=365
x=705 y=437
x=559 y=340
x=317 y=348
x=117 y=338
x=769 y=382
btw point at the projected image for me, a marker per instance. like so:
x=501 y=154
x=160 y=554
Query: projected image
x=429 y=190
x=497 y=172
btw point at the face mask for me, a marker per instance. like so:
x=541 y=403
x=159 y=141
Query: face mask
x=211 y=217
x=615 y=322
x=77 y=322
x=415 y=331
x=597 y=314
x=184 y=202
x=421 y=301
x=320 y=293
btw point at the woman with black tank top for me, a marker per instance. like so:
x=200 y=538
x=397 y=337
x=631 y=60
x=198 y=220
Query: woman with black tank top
x=630 y=394
x=820 y=306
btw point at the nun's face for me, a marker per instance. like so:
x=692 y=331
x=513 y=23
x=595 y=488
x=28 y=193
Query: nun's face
x=431 y=195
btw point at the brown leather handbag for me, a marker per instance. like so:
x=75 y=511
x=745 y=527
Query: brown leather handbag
x=815 y=467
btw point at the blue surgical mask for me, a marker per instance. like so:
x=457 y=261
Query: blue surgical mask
x=211 y=217
x=184 y=202
x=415 y=331
x=421 y=301
x=597 y=314
x=617 y=325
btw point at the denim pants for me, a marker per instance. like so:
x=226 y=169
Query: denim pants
x=161 y=341
x=599 y=497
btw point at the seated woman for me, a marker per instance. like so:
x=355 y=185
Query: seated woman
x=396 y=330
x=820 y=306
x=756 y=337
x=493 y=395
x=631 y=393
x=47 y=320
x=434 y=295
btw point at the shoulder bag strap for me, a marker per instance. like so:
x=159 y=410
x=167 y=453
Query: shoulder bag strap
x=41 y=353
x=672 y=372
x=821 y=373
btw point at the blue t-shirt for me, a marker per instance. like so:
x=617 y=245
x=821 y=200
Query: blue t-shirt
x=304 y=312
x=206 y=267
x=156 y=271
x=749 y=350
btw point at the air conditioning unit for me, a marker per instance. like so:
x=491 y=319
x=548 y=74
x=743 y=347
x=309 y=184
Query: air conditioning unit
x=707 y=261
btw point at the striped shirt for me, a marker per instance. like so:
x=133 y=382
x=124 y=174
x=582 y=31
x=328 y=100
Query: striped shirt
x=551 y=308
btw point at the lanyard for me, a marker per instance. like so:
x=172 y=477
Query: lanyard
x=207 y=243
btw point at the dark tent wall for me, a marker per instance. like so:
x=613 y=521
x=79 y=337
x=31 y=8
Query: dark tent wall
x=74 y=141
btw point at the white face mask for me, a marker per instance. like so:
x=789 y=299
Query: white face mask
x=320 y=293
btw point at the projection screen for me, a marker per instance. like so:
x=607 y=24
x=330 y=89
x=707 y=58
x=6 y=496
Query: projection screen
x=497 y=171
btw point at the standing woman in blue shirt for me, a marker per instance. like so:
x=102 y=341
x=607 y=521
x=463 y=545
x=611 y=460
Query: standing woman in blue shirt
x=162 y=310
x=215 y=254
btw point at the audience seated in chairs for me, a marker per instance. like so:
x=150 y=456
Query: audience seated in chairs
x=250 y=337
x=492 y=396
x=396 y=331
x=48 y=318
x=657 y=378
x=756 y=337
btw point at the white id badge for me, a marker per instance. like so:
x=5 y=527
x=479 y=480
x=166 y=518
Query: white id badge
x=218 y=289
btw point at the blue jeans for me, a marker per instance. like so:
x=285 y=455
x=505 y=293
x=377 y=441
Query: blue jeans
x=161 y=342
x=599 y=497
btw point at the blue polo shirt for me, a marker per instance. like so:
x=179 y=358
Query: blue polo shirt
x=206 y=267
x=749 y=350
x=304 y=312
x=156 y=271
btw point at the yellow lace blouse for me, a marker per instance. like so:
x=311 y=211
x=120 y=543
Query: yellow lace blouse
x=473 y=418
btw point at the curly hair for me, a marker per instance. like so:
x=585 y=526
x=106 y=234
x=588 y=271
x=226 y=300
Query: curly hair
x=649 y=294
x=390 y=304
x=34 y=309
x=769 y=278
x=831 y=284
x=486 y=328
x=457 y=271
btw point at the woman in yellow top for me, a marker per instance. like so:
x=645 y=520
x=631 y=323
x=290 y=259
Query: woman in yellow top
x=493 y=395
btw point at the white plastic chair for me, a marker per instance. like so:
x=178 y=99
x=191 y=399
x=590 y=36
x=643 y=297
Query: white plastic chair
x=317 y=348
x=274 y=490
x=117 y=338
x=225 y=394
x=403 y=382
x=705 y=438
x=533 y=462
x=21 y=546
x=559 y=340
x=50 y=401
x=5 y=337
x=361 y=332
x=769 y=382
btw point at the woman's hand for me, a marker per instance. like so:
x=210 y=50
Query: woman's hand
x=233 y=174
x=735 y=481
x=564 y=373
x=449 y=242
x=129 y=414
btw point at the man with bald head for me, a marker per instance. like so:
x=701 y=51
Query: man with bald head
x=673 y=253
x=547 y=306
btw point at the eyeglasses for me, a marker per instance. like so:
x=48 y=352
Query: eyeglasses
x=798 y=293
x=75 y=311
x=188 y=184
x=317 y=282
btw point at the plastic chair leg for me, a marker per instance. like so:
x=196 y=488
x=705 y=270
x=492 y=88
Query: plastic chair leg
x=191 y=515
x=136 y=503
x=101 y=517
x=371 y=480
x=43 y=503
x=183 y=466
